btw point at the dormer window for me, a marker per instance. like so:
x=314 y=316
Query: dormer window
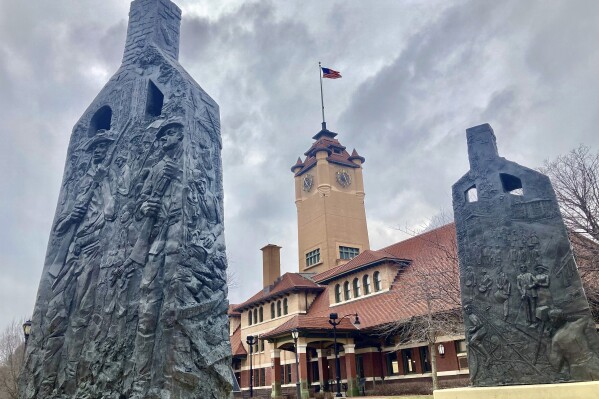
x=346 y=291
x=338 y=293
x=366 y=281
x=357 y=292
x=377 y=281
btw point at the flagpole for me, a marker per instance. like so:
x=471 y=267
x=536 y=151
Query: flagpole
x=324 y=124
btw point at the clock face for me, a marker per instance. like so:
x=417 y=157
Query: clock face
x=308 y=182
x=343 y=178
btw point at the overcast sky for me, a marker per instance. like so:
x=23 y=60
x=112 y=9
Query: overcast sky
x=416 y=74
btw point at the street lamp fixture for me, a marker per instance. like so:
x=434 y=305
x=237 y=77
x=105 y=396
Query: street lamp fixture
x=441 y=349
x=27 y=330
x=298 y=389
x=333 y=317
x=251 y=341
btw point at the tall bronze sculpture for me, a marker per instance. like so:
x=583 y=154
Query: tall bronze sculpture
x=133 y=300
x=526 y=316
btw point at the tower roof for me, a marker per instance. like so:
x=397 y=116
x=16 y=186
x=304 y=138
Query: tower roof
x=326 y=141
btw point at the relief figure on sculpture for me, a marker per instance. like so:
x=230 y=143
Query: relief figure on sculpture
x=77 y=263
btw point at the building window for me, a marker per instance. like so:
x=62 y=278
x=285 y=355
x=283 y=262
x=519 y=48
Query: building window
x=392 y=364
x=461 y=346
x=278 y=308
x=272 y=310
x=357 y=292
x=408 y=361
x=377 y=281
x=262 y=377
x=288 y=373
x=285 y=307
x=250 y=317
x=282 y=374
x=346 y=291
x=313 y=257
x=366 y=281
x=338 y=293
x=261 y=345
x=348 y=252
x=261 y=314
x=255 y=316
x=424 y=359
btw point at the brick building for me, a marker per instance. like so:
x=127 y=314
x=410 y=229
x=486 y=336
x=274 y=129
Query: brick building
x=339 y=273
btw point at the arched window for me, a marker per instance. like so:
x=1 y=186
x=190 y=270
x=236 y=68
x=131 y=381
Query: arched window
x=338 y=293
x=285 y=308
x=377 y=281
x=261 y=314
x=357 y=292
x=366 y=281
x=250 y=317
x=255 y=316
x=346 y=291
x=471 y=194
x=272 y=310
x=278 y=308
x=102 y=119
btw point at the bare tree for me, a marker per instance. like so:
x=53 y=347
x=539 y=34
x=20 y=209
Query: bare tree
x=12 y=345
x=435 y=286
x=575 y=179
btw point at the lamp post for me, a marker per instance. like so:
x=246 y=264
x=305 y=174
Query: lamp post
x=298 y=389
x=333 y=317
x=251 y=340
x=26 y=333
x=27 y=330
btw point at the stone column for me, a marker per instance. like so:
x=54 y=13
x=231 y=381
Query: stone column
x=323 y=367
x=303 y=369
x=275 y=356
x=350 y=370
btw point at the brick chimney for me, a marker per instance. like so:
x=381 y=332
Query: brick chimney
x=271 y=264
x=153 y=21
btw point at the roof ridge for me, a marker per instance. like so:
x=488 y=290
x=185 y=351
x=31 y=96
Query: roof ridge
x=418 y=236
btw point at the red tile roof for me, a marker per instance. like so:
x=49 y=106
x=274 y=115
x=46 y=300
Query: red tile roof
x=325 y=140
x=309 y=323
x=237 y=347
x=231 y=312
x=288 y=282
x=434 y=267
x=366 y=258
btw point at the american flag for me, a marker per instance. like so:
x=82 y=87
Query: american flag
x=329 y=73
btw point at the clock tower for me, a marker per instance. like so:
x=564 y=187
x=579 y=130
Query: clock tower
x=329 y=195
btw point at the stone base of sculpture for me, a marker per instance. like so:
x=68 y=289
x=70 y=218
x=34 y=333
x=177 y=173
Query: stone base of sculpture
x=570 y=390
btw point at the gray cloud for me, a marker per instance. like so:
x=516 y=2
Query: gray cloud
x=415 y=75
